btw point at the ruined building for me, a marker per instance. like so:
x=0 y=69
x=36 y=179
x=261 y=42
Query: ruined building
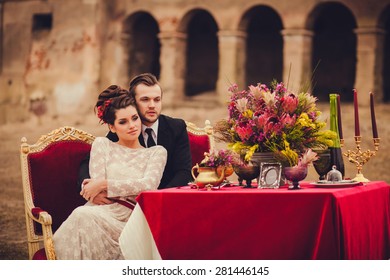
x=60 y=54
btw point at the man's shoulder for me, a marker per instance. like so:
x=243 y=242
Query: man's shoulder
x=172 y=122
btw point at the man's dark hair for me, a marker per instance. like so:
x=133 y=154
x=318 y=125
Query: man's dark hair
x=147 y=79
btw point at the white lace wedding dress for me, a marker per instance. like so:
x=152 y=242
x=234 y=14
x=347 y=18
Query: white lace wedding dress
x=92 y=231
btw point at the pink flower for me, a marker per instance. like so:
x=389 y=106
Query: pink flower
x=287 y=120
x=273 y=126
x=261 y=121
x=290 y=103
x=280 y=89
x=233 y=88
x=244 y=132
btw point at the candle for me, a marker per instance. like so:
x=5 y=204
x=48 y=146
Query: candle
x=339 y=117
x=373 y=120
x=356 y=107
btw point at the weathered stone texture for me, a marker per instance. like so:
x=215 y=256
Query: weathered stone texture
x=66 y=52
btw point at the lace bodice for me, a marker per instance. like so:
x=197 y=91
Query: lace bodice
x=128 y=171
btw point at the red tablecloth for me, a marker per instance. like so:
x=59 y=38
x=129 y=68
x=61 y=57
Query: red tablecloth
x=237 y=223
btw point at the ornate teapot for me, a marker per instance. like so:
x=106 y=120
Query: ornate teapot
x=207 y=176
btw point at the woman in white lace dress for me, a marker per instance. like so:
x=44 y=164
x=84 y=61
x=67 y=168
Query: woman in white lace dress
x=122 y=169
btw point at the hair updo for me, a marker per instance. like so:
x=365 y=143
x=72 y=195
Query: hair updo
x=111 y=100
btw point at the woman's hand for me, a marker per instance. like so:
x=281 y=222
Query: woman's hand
x=92 y=187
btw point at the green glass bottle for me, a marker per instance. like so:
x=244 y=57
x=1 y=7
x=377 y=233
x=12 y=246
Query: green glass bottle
x=336 y=155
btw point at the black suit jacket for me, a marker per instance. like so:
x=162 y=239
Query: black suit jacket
x=172 y=135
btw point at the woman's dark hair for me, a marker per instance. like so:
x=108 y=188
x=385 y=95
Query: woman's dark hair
x=111 y=100
x=147 y=79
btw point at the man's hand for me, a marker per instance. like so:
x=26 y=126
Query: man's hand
x=102 y=199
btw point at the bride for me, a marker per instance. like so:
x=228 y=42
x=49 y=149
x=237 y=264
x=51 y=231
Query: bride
x=121 y=169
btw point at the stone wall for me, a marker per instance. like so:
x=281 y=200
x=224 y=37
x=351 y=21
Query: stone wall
x=63 y=53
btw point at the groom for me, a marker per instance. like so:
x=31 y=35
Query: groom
x=171 y=133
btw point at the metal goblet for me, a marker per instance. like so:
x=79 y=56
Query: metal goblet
x=323 y=164
x=247 y=172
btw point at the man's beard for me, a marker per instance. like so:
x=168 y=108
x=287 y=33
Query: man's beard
x=149 y=120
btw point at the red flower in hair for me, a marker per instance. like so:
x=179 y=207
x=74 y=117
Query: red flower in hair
x=101 y=110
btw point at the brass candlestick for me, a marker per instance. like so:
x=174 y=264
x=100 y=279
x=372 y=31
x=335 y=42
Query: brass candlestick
x=359 y=157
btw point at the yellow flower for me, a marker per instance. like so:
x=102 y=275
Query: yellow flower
x=290 y=155
x=326 y=137
x=248 y=114
x=305 y=121
x=250 y=153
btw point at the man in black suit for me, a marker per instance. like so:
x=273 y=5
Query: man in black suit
x=171 y=133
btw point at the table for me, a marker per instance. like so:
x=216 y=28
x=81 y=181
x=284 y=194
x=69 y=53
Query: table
x=273 y=224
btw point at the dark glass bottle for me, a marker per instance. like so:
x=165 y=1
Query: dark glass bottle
x=336 y=155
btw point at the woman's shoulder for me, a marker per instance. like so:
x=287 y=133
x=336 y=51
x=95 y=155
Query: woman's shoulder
x=101 y=141
x=157 y=149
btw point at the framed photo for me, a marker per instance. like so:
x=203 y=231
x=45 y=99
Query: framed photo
x=270 y=173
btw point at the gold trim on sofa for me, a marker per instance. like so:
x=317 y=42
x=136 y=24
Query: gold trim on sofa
x=35 y=242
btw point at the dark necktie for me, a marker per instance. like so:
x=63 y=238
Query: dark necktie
x=150 y=142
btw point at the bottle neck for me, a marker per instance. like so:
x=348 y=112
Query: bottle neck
x=333 y=119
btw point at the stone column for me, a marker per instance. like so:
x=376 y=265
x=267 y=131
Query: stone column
x=232 y=49
x=119 y=45
x=297 y=55
x=370 y=46
x=3 y=97
x=1 y=37
x=172 y=61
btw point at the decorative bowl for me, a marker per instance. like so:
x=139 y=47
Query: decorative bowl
x=247 y=173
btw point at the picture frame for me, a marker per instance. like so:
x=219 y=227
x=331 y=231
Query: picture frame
x=270 y=175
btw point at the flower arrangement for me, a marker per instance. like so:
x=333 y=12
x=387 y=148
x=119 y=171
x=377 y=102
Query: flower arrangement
x=215 y=158
x=273 y=119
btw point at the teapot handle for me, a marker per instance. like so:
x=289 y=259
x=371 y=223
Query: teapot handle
x=192 y=170
x=222 y=173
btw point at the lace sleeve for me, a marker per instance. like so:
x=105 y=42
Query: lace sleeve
x=97 y=162
x=149 y=181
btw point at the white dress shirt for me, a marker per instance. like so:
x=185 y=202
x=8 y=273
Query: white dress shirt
x=154 y=127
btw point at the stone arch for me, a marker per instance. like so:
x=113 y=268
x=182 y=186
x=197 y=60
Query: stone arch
x=264 y=45
x=384 y=23
x=201 y=66
x=141 y=44
x=334 y=55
